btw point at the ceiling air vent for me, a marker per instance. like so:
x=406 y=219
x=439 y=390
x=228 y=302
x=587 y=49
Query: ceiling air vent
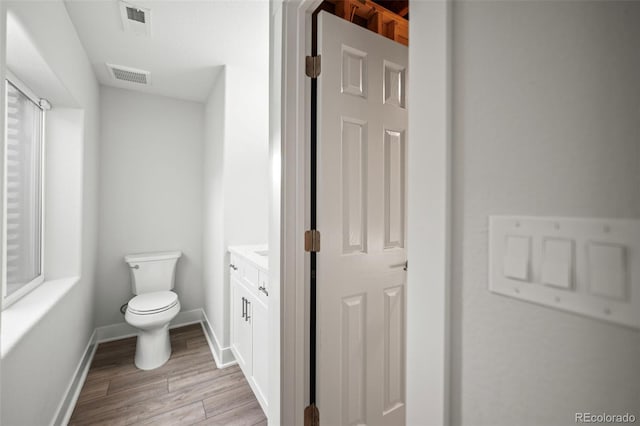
x=136 y=15
x=135 y=19
x=131 y=75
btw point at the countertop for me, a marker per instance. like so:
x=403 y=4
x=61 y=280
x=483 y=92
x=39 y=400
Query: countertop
x=250 y=253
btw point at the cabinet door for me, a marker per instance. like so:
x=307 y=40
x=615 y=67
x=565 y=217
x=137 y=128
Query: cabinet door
x=260 y=349
x=241 y=325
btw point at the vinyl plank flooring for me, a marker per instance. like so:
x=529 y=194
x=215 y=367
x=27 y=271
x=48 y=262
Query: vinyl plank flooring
x=196 y=342
x=186 y=415
x=110 y=405
x=230 y=400
x=121 y=365
x=93 y=390
x=245 y=415
x=193 y=377
x=186 y=332
x=195 y=371
x=134 y=381
x=188 y=389
x=142 y=410
x=175 y=365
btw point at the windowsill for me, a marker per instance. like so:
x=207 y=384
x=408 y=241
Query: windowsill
x=19 y=318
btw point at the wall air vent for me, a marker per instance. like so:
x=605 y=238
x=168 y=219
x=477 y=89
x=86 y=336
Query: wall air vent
x=130 y=75
x=136 y=15
x=136 y=20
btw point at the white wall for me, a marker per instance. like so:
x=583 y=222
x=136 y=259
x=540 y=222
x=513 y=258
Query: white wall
x=216 y=304
x=545 y=122
x=38 y=369
x=246 y=152
x=63 y=192
x=276 y=173
x=150 y=193
x=236 y=187
x=428 y=215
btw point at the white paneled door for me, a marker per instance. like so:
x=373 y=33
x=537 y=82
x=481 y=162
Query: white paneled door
x=361 y=213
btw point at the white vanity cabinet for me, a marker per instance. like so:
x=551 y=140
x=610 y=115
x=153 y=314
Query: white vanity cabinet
x=249 y=289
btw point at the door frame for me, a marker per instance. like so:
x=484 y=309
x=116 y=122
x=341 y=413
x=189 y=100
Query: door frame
x=429 y=207
x=3 y=69
x=290 y=42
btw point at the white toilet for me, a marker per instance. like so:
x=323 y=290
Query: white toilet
x=154 y=306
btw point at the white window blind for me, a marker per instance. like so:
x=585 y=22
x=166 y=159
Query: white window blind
x=23 y=191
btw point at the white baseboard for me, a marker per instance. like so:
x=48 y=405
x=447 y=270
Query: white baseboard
x=68 y=403
x=222 y=356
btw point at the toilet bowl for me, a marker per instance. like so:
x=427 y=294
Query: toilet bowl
x=154 y=306
x=151 y=314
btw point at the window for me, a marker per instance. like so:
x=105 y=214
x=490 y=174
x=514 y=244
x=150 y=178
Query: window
x=23 y=193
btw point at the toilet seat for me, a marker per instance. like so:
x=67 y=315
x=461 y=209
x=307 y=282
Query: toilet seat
x=152 y=303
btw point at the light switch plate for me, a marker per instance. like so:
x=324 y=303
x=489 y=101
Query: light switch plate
x=589 y=267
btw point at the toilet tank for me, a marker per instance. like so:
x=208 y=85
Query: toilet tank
x=152 y=271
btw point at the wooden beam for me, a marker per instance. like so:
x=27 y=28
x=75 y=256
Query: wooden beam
x=343 y=9
x=374 y=23
x=374 y=17
x=391 y=30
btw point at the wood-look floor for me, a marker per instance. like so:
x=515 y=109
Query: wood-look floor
x=189 y=389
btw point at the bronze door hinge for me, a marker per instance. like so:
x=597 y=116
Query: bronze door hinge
x=312 y=241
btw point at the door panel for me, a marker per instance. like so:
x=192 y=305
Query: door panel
x=353 y=362
x=394 y=318
x=260 y=319
x=354 y=185
x=394 y=188
x=241 y=325
x=361 y=175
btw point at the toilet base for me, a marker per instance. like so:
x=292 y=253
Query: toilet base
x=153 y=348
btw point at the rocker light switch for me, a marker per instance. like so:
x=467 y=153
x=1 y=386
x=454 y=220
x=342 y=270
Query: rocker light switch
x=607 y=270
x=557 y=263
x=517 y=257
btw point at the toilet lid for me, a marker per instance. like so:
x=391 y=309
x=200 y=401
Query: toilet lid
x=153 y=302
